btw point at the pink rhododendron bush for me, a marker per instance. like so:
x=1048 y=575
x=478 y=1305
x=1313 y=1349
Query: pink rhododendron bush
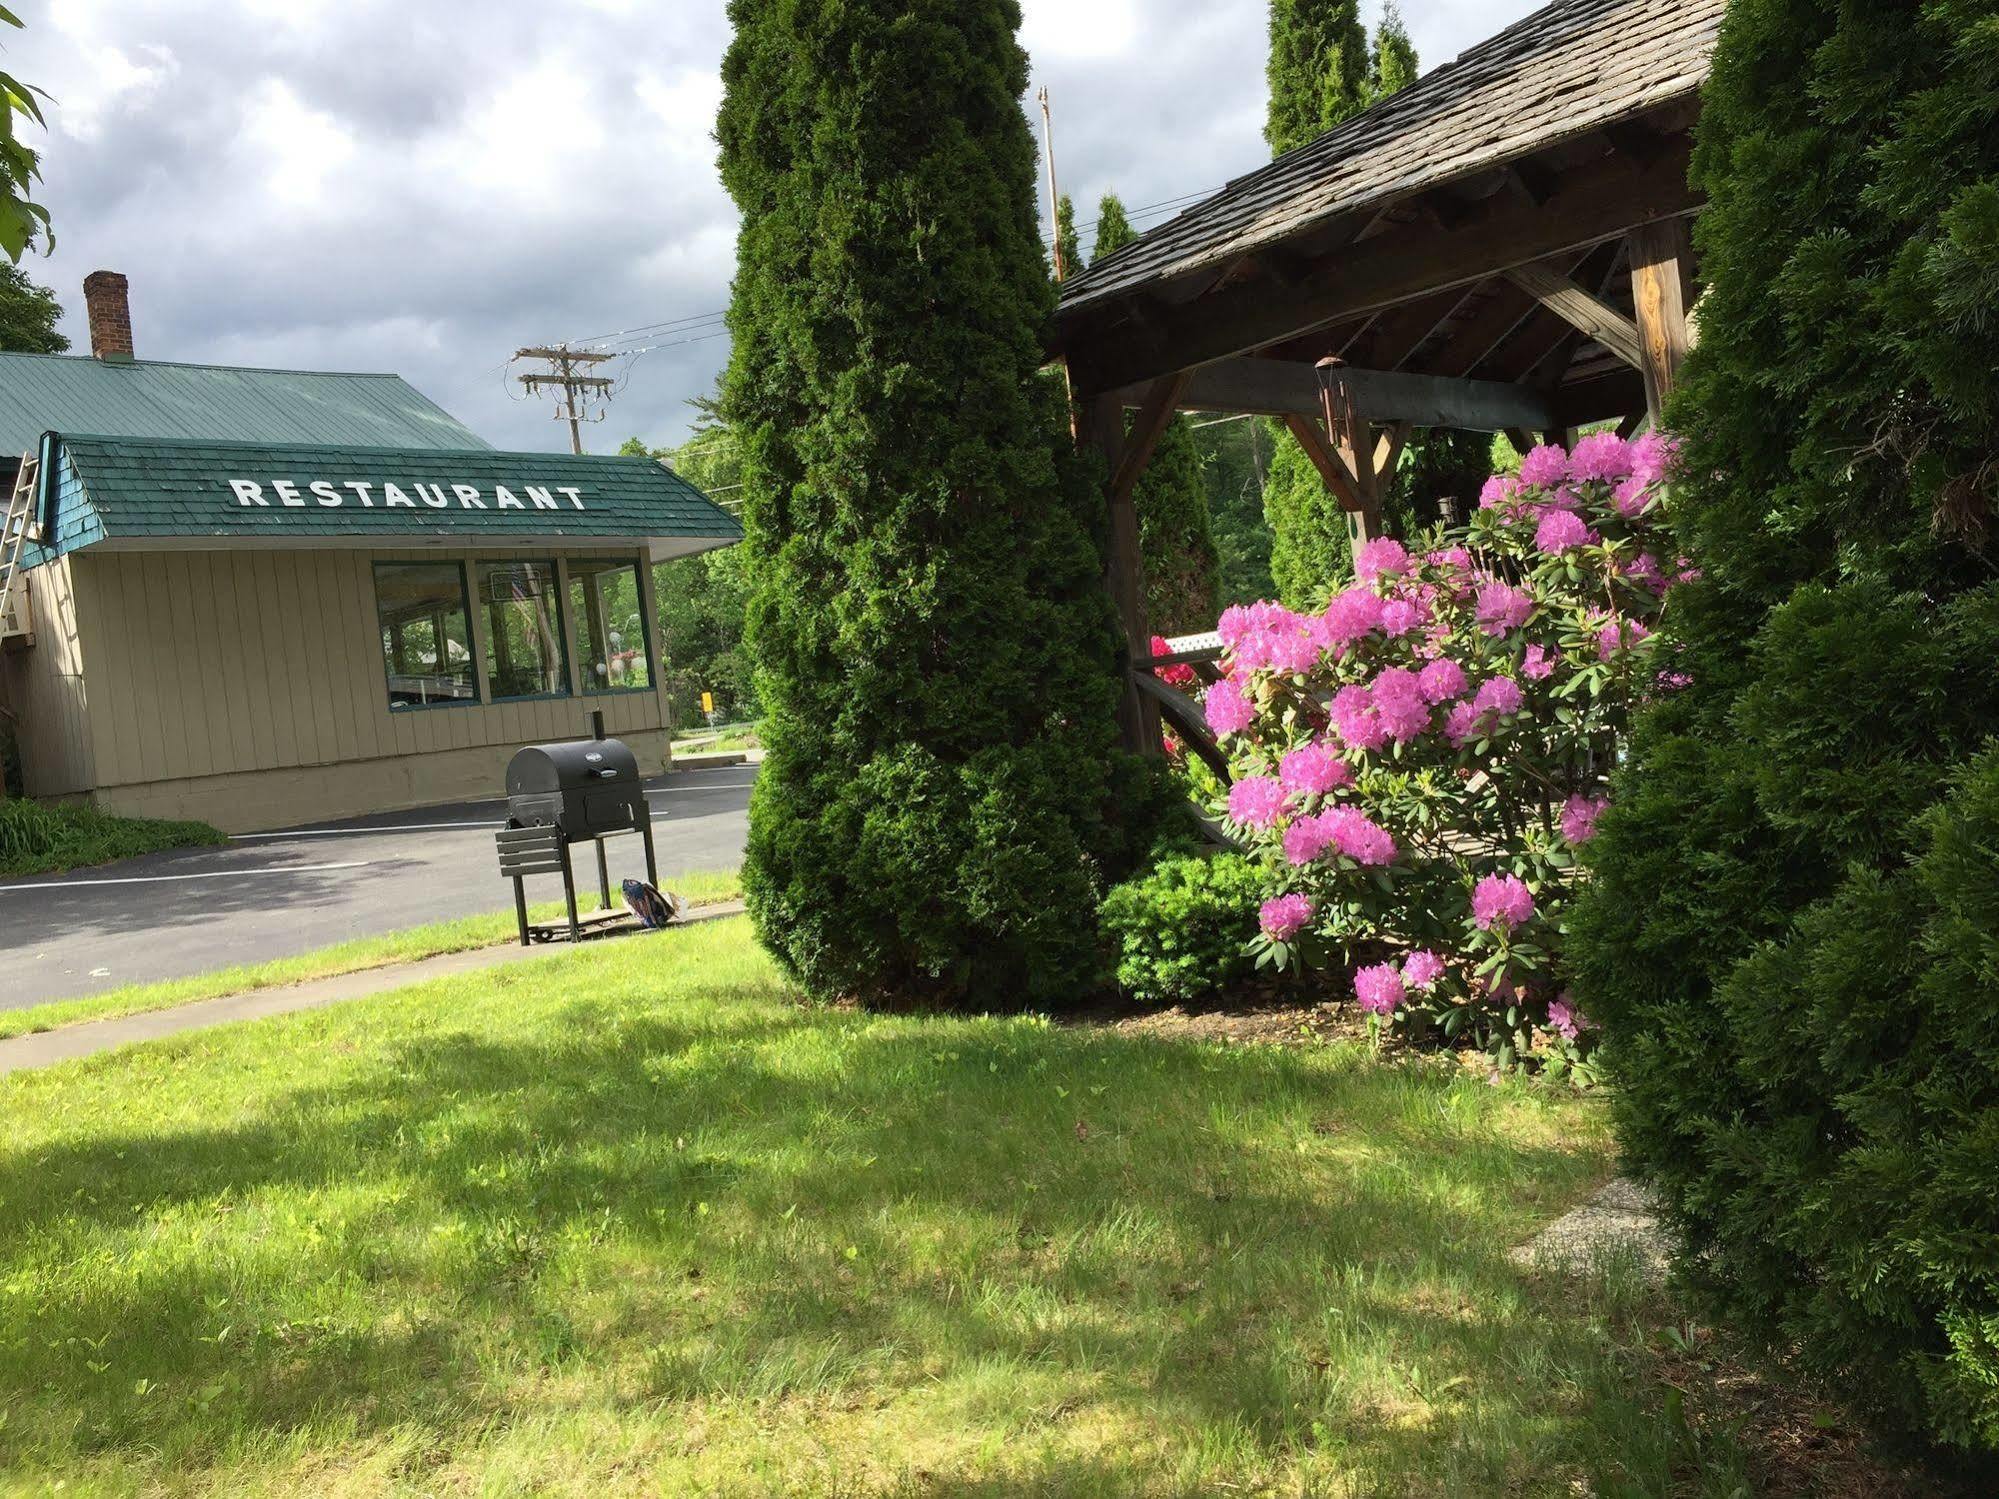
x=1417 y=764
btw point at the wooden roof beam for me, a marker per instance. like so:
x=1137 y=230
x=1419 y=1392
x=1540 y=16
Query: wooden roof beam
x=1599 y=271
x=1598 y=201
x=1581 y=309
x=1288 y=387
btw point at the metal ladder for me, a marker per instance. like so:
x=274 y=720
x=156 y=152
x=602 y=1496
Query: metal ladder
x=15 y=532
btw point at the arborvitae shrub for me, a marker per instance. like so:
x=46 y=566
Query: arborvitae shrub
x=942 y=799
x=1792 y=935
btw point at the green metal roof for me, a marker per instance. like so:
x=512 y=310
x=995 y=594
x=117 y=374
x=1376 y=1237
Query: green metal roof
x=141 y=491
x=142 y=398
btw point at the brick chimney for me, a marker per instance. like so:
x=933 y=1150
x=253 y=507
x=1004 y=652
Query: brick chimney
x=104 y=294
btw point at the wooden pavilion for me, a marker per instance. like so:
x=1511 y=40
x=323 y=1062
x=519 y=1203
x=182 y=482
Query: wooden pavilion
x=1502 y=246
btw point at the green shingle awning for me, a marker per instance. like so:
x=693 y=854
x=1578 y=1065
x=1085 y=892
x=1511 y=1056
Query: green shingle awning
x=147 y=492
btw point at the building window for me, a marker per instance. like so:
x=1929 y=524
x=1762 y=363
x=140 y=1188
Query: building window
x=608 y=616
x=525 y=656
x=426 y=633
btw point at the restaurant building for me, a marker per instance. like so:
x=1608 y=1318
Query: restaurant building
x=263 y=598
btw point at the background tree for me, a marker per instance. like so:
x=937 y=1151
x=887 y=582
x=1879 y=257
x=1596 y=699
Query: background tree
x=1114 y=228
x=1175 y=537
x=702 y=599
x=28 y=315
x=1311 y=542
x=1066 y=239
x=1393 y=64
x=22 y=221
x=940 y=805
x=1234 y=455
x=1319 y=76
x=1791 y=933
x=1318 y=69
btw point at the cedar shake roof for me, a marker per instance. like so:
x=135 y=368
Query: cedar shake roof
x=1572 y=67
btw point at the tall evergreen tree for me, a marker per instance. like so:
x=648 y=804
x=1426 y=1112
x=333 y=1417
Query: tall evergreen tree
x=1311 y=543
x=1791 y=931
x=1176 y=538
x=1394 y=64
x=936 y=656
x=1066 y=239
x=28 y=315
x=1319 y=76
x=1114 y=230
x=1318 y=69
x=1438 y=465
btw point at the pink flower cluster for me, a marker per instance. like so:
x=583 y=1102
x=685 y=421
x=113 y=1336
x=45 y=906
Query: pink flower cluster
x=1565 y=1018
x=1264 y=634
x=1227 y=710
x=1181 y=675
x=1286 y=916
x=1382 y=555
x=1349 y=617
x=1346 y=830
x=1502 y=607
x=1563 y=531
x=1579 y=815
x=1421 y=969
x=1313 y=770
x=1378 y=989
x=1501 y=899
x=1442 y=680
x=1256 y=802
x=1619 y=634
x=1496 y=698
x=1652 y=457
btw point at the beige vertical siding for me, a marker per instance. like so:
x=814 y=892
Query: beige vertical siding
x=210 y=670
x=46 y=690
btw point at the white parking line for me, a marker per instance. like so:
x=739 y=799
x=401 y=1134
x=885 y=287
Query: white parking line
x=209 y=874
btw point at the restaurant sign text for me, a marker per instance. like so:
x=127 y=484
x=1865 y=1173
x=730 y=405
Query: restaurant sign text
x=369 y=495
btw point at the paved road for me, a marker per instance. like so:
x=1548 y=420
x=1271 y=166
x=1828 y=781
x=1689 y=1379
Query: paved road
x=272 y=895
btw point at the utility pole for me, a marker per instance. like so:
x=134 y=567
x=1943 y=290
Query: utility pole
x=575 y=389
x=1054 y=197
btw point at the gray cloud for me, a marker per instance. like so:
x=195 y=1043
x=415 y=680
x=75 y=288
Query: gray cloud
x=424 y=185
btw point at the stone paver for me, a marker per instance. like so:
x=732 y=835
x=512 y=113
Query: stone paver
x=1620 y=1222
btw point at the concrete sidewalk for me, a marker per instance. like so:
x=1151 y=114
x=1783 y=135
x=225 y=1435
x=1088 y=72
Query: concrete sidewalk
x=87 y=1038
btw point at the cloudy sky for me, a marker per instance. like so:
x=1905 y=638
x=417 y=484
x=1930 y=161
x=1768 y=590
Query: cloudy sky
x=425 y=185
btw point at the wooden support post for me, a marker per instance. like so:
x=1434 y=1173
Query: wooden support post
x=1661 y=268
x=1353 y=440
x=1332 y=467
x=1100 y=425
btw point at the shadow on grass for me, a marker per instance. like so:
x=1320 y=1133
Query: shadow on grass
x=725 y=1199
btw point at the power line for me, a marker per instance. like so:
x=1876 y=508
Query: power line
x=698 y=322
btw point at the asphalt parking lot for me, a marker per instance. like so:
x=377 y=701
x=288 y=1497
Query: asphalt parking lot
x=273 y=895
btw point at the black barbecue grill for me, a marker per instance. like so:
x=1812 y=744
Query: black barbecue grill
x=559 y=795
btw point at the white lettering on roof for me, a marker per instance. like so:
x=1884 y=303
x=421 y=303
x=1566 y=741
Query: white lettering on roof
x=334 y=494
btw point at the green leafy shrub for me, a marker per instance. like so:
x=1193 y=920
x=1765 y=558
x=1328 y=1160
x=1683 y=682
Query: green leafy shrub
x=1182 y=930
x=44 y=837
x=1790 y=935
x=942 y=800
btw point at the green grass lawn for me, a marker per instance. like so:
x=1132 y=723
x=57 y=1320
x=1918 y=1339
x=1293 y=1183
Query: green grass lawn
x=49 y=837
x=459 y=935
x=633 y=1221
